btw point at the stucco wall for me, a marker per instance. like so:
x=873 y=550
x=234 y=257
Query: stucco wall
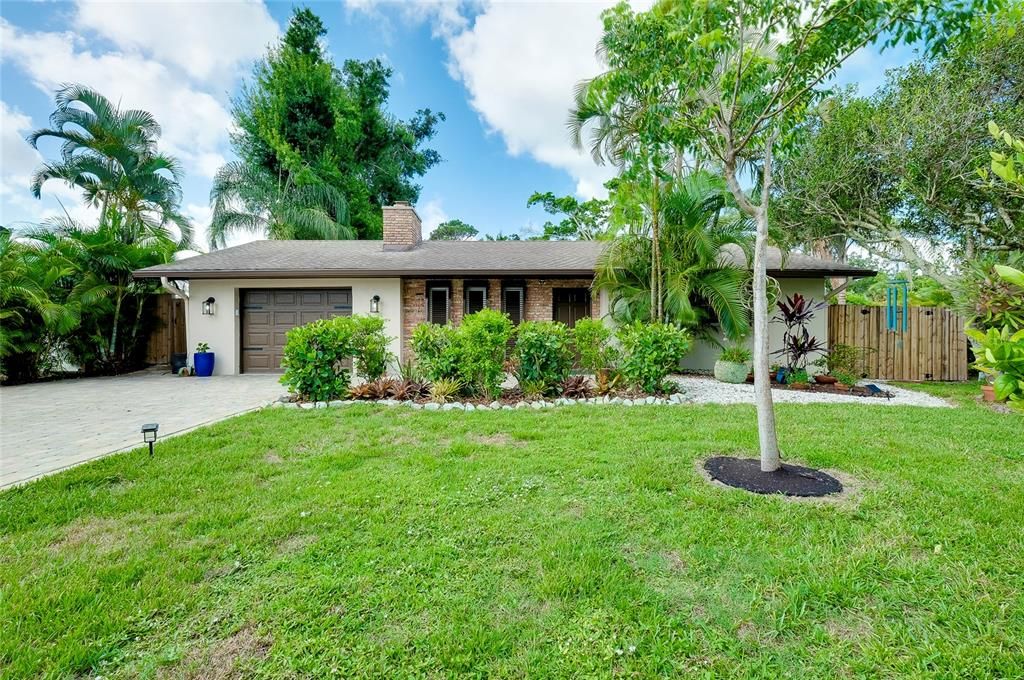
x=223 y=330
x=704 y=355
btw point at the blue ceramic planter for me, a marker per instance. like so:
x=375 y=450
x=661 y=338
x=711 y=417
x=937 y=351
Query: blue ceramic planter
x=203 y=361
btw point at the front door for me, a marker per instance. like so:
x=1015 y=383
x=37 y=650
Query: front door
x=571 y=304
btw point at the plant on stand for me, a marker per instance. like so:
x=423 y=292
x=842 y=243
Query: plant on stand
x=733 y=365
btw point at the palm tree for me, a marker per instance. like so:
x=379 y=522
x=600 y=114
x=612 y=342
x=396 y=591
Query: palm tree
x=98 y=265
x=111 y=155
x=698 y=288
x=28 y=309
x=247 y=199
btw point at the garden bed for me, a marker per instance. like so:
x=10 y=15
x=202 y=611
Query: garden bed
x=704 y=390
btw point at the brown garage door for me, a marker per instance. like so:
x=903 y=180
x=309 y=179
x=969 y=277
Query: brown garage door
x=267 y=315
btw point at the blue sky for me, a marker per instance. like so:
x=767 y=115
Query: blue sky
x=502 y=73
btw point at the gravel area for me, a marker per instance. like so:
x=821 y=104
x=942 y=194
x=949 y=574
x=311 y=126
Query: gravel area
x=701 y=390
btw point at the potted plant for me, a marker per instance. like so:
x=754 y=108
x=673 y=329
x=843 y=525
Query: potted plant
x=798 y=379
x=203 y=360
x=847 y=381
x=733 y=365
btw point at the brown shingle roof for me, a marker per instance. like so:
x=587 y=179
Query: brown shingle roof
x=308 y=259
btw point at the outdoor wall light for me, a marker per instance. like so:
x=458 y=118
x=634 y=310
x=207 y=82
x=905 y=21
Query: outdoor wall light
x=208 y=306
x=375 y=304
x=149 y=434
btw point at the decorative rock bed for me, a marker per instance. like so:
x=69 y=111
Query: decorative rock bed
x=701 y=390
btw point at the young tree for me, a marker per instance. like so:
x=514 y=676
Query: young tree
x=582 y=220
x=741 y=74
x=454 y=230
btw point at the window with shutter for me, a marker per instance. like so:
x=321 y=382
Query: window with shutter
x=476 y=299
x=512 y=304
x=437 y=306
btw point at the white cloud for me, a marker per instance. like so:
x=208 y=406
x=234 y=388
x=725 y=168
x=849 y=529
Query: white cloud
x=18 y=162
x=520 y=63
x=210 y=41
x=431 y=214
x=194 y=122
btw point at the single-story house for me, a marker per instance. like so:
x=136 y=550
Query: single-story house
x=242 y=300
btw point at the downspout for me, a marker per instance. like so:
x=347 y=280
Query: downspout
x=171 y=288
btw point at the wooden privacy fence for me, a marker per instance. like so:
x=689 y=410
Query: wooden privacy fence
x=934 y=346
x=168 y=334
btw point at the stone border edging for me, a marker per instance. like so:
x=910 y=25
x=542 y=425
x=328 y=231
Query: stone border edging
x=675 y=398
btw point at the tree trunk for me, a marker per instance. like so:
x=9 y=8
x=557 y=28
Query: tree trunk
x=113 y=333
x=656 y=251
x=767 y=437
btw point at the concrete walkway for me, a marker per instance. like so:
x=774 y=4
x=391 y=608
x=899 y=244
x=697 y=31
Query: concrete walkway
x=46 y=427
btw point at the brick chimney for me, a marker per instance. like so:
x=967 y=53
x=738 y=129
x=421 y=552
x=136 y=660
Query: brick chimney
x=402 y=227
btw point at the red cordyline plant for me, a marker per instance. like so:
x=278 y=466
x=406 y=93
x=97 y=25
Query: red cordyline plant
x=797 y=342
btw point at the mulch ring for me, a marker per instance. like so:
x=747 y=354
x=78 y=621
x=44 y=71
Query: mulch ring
x=789 y=480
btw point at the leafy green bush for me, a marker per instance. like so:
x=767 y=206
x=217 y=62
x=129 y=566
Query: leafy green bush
x=594 y=350
x=436 y=351
x=650 y=351
x=314 y=357
x=1000 y=354
x=482 y=341
x=370 y=346
x=472 y=354
x=543 y=353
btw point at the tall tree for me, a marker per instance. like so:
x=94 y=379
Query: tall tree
x=111 y=155
x=454 y=230
x=895 y=173
x=740 y=74
x=580 y=220
x=303 y=122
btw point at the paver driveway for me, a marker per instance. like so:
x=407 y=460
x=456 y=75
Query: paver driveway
x=46 y=427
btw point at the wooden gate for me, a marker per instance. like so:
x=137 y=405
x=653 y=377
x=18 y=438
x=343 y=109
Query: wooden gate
x=168 y=334
x=934 y=346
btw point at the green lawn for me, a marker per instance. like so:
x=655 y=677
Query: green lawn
x=577 y=541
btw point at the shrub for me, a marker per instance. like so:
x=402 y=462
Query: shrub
x=532 y=389
x=650 y=351
x=445 y=389
x=472 y=353
x=576 y=387
x=543 y=352
x=1000 y=354
x=370 y=347
x=592 y=339
x=436 y=351
x=481 y=342
x=314 y=357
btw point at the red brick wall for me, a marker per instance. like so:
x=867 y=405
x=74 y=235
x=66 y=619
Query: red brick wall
x=539 y=299
x=402 y=227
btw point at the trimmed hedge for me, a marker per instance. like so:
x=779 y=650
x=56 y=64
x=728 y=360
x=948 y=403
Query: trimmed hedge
x=544 y=354
x=472 y=354
x=650 y=352
x=315 y=354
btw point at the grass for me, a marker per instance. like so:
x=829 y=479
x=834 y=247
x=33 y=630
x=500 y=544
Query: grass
x=369 y=541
